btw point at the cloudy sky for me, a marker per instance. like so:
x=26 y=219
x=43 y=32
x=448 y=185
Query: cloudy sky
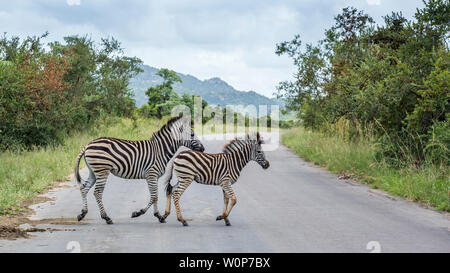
x=234 y=39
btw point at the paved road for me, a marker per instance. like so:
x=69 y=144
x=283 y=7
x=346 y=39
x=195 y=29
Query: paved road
x=291 y=207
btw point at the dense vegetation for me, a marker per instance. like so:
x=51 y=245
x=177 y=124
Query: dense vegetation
x=389 y=80
x=49 y=91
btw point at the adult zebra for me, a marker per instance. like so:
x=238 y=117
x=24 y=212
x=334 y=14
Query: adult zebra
x=143 y=159
x=214 y=169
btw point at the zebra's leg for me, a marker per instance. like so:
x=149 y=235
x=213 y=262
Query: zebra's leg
x=98 y=193
x=168 y=205
x=168 y=202
x=169 y=189
x=228 y=190
x=84 y=189
x=225 y=205
x=183 y=184
x=152 y=182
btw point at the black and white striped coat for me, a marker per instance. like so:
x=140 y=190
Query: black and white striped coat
x=143 y=159
x=221 y=169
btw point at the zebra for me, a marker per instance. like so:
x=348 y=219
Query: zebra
x=221 y=169
x=143 y=159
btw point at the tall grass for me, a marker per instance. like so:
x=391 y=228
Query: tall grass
x=428 y=184
x=24 y=174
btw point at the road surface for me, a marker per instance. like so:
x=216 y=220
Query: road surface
x=291 y=207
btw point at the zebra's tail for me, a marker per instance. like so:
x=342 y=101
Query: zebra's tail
x=169 y=187
x=80 y=181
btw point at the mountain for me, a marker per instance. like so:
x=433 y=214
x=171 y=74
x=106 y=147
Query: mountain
x=215 y=91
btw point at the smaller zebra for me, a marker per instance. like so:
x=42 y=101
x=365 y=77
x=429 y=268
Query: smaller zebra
x=221 y=169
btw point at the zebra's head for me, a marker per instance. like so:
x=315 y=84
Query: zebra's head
x=194 y=143
x=188 y=136
x=178 y=132
x=257 y=154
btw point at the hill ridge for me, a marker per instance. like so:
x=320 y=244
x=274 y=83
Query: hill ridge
x=214 y=90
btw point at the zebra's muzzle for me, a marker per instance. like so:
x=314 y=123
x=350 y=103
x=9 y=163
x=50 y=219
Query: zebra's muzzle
x=266 y=165
x=199 y=148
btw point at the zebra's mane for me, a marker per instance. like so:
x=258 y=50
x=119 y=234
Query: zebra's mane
x=238 y=143
x=165 y=127
x=234 y=145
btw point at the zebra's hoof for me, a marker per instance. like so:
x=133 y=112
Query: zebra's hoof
x=135 y=214
x=81 y=215
x=108 y=220
x=220 y=217
x=157 y=215
x=162 y=220
x=185 y=224
x=228 y=224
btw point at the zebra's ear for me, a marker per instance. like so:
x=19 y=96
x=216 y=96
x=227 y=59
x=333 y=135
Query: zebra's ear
x=187 y=121
x=259 y=138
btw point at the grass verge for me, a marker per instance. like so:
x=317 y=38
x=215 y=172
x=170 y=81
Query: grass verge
x=25 y=174
x=429 y=185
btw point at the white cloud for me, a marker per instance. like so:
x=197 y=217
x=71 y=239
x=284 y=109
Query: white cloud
x=73 y=2
x=374 y=2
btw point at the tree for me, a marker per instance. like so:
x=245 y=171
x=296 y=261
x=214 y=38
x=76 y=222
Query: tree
x=351 y=24
x=47 y=93
x=160 y=95
x=392 y=77
x=99 y=76
x=32 y=100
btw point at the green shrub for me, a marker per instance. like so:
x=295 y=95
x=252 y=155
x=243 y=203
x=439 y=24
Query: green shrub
x=47 y=93
x=438 y=145
x=392 y=78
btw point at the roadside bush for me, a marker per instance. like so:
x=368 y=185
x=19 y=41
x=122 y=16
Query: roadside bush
x=391 y=79
x=437 y=149
x=47 y=93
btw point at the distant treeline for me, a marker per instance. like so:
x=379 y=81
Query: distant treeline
x=162 y=98
x=47 y=91
x=390 y=80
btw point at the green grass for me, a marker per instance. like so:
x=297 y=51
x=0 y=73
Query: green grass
x=429 y=185
x=25 y=174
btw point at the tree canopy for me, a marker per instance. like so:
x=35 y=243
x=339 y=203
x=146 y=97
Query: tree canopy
x=392 y=77
x=48 y=91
